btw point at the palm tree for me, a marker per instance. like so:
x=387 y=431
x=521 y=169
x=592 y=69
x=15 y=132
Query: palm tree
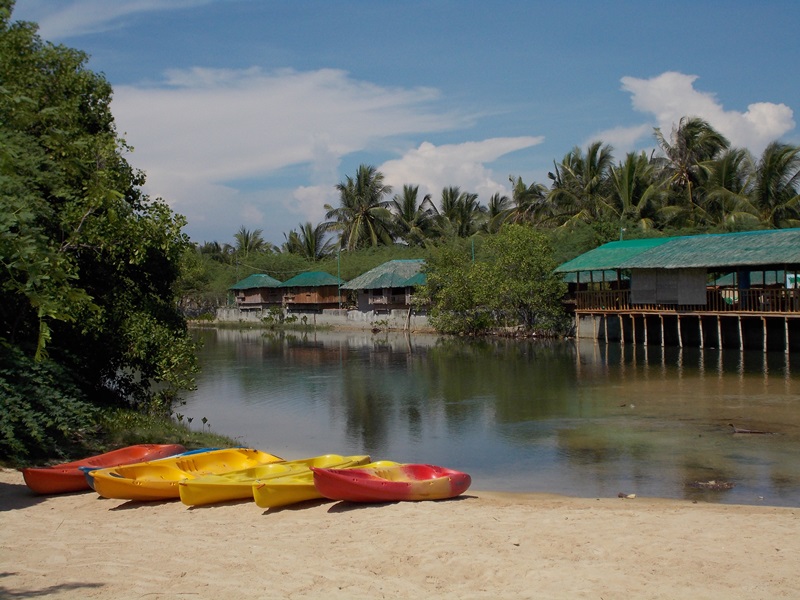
x=497 y=212
x=581 y=188
x=727 y=191
x=413 y=222
x=460 y=213
x=693 y=143
x=249 y=242
x=636 y=196
x=776 y=184
x=309 y=241
x=529 y=202
x=362 y=217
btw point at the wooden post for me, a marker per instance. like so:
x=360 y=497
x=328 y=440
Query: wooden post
x=605 y=325
x=621 y=329
x=680 y=337
x=741 y=337
x=786 y=333
x=719 y=332
x=661 y=318
x=700 y=325
x=764 y=330
x=644 y=326
x=633 y=328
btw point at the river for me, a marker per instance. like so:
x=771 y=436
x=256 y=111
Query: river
x=567 y=417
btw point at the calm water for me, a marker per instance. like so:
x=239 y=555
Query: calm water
x=572 y=418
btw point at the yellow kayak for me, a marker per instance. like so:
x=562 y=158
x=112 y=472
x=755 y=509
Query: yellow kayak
x=158 y=480
x=238 y=485
x=296 y=487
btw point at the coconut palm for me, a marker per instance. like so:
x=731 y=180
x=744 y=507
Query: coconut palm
x=413 y=221
x=309 y=241
x=460 y=214
x=692 y=144
x=250 y=242
x=362 y=217
x=776 y=183
x=727 y=191
x=529 y=202
x=497 y=212
x=581 y=189
x=636 y=196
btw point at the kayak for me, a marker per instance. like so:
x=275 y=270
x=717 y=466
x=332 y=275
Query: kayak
x=238 y=485
x=68 y=477
x=391 y=484
x=90 y=481
x=297 y=487
x=158 y=480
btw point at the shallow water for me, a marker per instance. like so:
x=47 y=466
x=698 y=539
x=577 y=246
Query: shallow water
x=565 y=417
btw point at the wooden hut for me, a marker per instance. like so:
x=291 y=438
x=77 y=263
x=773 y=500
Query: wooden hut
x=707 y=290
x=387 y=287
x=257 y=292
x=312 y=291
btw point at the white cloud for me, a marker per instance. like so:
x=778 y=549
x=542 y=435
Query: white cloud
x=202 y=132
x=463 y=165
x=672 y=95
x=622 y=139
x=64 y=19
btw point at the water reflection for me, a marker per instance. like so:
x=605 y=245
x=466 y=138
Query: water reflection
x=575 y=418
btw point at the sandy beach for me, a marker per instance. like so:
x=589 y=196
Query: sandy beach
x=480 y=545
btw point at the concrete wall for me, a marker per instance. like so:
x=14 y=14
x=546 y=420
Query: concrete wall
x=351 y=319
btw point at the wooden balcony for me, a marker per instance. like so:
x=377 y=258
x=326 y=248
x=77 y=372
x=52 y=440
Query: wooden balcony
x=752 y=301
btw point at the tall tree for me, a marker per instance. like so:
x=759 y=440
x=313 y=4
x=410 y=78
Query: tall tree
x=727 y=191
x=362 y=217
x=309 y=242
x=89 y=262
x=250 y=242
x=413 y=219
x=460 y=214
x=580 y=189
x=636 y=196
x=691 y=145
x=529 y=202
x=776 y=185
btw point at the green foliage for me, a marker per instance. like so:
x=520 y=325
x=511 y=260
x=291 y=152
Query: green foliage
x=90 y=264
x=511 y=284
x=42 y=407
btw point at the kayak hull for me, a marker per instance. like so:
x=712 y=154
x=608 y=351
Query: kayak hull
x=68 y=477
x=412 y=482
x=158 y=480
x=239 y=485
x=291 y=489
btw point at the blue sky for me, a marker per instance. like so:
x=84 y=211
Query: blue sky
x=249 y=112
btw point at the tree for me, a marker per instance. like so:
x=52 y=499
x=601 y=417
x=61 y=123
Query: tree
x=512 y=284
x=581 y=186
x=89 y=262
x=250 y=242
x=309 y=241
x=413 y=220
x=727 y=191
x=776 y=185
x=362 y=217
x=460 y=214
x=636 y=197
x=529 y=202
x=692 y=144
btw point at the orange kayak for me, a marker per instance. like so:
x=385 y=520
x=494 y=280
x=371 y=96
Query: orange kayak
x=391 y=483
x=68 y=477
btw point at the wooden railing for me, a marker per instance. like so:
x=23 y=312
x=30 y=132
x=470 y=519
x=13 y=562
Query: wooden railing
x=393 y=299
x=762 y=301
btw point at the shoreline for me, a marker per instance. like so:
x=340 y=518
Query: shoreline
x=483 y=544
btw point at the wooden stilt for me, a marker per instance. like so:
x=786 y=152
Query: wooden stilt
x=741 y=337
x=719 y=332
x=633 y=328
x=764 y=330
x=605 y=324
x=680 y=336
x=621 y=329
x=700 y=329
x=661 y=318
x=786 y=333
x=644 y=326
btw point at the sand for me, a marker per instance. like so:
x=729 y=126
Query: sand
x=480 y=545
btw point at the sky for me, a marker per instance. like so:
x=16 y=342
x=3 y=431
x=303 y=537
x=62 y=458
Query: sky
x=248 y=113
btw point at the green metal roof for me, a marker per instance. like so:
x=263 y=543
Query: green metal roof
x=611 y=255
x=392 y=274
x=256 y=280
x=595 y=276
x=312 y=279
x=749 y=248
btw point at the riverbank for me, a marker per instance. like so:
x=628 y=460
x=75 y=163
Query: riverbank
x=481 y=545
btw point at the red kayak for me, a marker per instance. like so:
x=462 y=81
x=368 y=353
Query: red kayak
x=68 y=477
x=390 y=484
